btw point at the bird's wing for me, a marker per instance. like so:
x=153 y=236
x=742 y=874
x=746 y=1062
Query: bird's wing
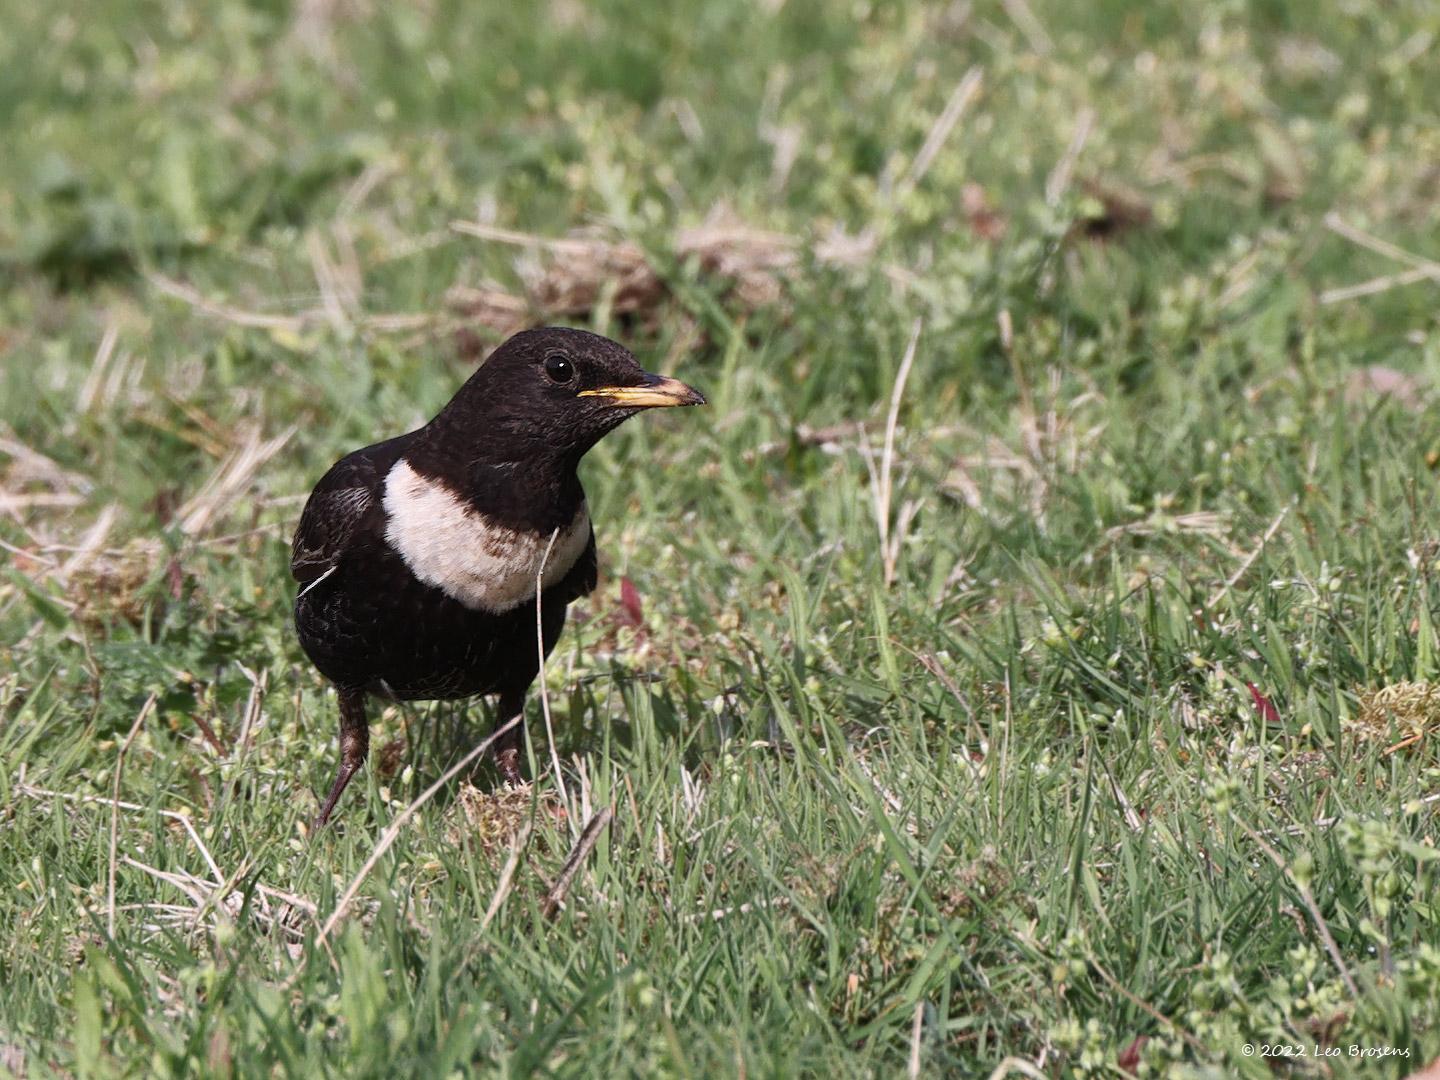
x=342 y=506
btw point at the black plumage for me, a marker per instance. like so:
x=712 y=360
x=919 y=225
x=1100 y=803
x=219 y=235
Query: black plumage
x=417 y=557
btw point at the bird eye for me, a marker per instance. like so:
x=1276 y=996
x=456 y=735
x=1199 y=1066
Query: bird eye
x=559 y=369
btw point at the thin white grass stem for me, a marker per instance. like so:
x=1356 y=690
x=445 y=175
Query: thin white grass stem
x=544 y=687
x=1336 y=224
x=884 y=481
x=140 y=717
x=960 y=99
x=1249 y=560
x=917 y=1029
x=1016 y=1065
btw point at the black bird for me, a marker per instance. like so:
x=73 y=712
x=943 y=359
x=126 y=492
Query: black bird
x=417 y=557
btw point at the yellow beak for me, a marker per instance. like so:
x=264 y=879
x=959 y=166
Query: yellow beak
x=656 y=392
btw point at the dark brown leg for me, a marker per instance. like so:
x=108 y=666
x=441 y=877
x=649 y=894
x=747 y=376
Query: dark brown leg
x=354 y=745
x=505 y=751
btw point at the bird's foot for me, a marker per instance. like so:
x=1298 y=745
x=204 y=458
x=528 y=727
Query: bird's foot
x=507 y=761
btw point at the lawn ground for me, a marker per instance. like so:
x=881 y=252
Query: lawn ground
x=1026 y=664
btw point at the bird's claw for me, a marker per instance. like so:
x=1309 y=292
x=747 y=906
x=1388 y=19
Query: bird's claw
x=508 y=762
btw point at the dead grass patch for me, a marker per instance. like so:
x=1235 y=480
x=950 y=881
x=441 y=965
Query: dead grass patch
x=1410 y=710
x=490 y=820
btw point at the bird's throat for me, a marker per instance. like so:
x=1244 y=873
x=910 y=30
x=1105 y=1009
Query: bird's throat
x=524 y=484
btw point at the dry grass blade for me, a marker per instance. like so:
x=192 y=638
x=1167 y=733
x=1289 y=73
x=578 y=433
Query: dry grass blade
x=90 y=389
x=337 y=299
x=1132 y=817
x=1036 y=36
x=507 y=874
x=39 y=499
x=197 y=889
x=960 y=100
x=483 y=231
x=254 y=703
x=145 y=711
x=1016 y=1065
x=752 y=259
x=191 y=882
x=490 y=307
x=917 y=1029
x=256 y=320
x=28 y=465
x=882 y=478
x=208 y=897
x=1249 y=560
x=1336 y=224
x=230 y=480
x=581 y=276
x=588 y=839
x=1199 y=523
x=1058 y=181
x=1380 y=284
x=90 y=544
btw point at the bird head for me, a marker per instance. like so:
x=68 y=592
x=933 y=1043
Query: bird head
x=555 y=392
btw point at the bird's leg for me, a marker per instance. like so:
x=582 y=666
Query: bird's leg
x=505 y=750
x=354 y=745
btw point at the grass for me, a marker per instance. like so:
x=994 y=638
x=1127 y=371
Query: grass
x=1073 y=691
